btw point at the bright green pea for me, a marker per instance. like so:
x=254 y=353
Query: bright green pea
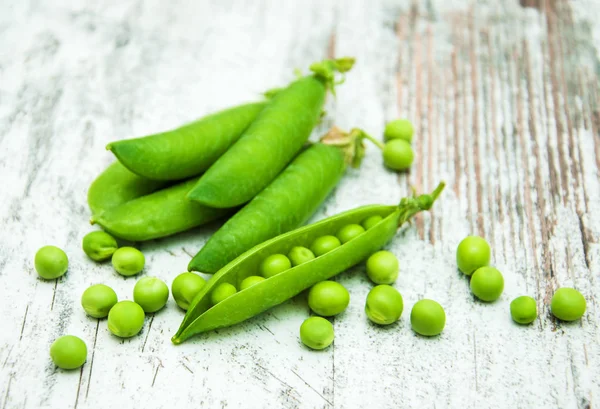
x=68 y=352
x=274 y=264
x=151 y=293
x=398 y=154
x=399 y=129
x=523 y=310
x=51 y=262
x=250 y=281
x=568 y=304
x=316 y=333
x=185 y=287
x=371 y=221
x=128 y=261
x=324 y=244
x=427 y=318
x=222 y=292
x=328 y=298
x=99 y=245
x=98 y=299
x=299 y=255
x=487 y=283
x=126 y=319
x=382 y=267
x=473 y=252
x=349 y=231
x=384 y=305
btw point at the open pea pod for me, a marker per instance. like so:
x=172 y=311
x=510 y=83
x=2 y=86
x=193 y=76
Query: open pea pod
x=245 y=304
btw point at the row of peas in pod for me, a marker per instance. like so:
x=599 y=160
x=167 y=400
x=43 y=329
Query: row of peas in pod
x=487 y=284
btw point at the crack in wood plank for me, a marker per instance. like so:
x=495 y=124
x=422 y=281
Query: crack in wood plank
x=89 y=380
x=311 y=387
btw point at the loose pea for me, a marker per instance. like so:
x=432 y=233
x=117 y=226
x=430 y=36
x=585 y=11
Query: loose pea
x=128 y=261
x=98 y=299
x=250 y=281
x=99 y=245
x=398 y=154
x=324 y=244
x=487 y=283
x=222 y=292
x=523 y=310
x=299 y=255
x=274 y=264
x=68 y=352
x=316 y=333
x=185 y=287
x=384 y=305
x=51 y=262
x=382 y=267
x=349 y=231
x=371 y=221
x=398 y=129
x=473 y=252
x=568 y=304
x=126 y=319
x=150 y=293
x=427 y=317
x=328 y=298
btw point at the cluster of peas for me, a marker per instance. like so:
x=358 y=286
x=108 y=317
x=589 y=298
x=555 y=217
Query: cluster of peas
x=487 y=284
x=397 y=151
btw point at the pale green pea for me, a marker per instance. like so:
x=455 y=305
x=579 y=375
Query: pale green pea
x=151 y=293
x=398 y=154
x=126 y=319
x=399 y=129
x=371 y=221
x=427 y=318
x=523 y=310
x=128 y=261
x=51 y=262
x=384 y=305
x=568 y=304
x=274 y=264
x=472 y=253
x=349 y=231
x=328 y=298
x=487 y=283
x=383 y=267
x=185 y=287
x=316 y=333
x=250 y=281
x=222 y=292
x=299 y=255
x=68 y=352
x=324 y=244
x=98 y=299
x=99 y=245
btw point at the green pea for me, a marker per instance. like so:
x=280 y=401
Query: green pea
x=568 y=304
x=473 y=252
x=328 y=298
x=250 y=281
x=523 y=310
x=299 y=255
x=68 y=352
x=324 y=244
x=128 y=261
x=398 y=154
x=126 y=319
x=487 y=283
x=382 y=267
x=98 y=299
x=349 y=231
x=51 y=262
x=222 y=292
x=384 y=305
x=399 y=129
x=427 y=318
x=185 y=287
x=274 y=264
x=99 y=245
x=316 y=333
x=150 y=293
x=371 y=221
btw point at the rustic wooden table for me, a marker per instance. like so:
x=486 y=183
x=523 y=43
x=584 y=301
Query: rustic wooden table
x=504 y=97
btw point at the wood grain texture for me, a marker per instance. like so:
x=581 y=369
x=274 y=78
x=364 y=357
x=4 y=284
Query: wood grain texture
x=505 y=102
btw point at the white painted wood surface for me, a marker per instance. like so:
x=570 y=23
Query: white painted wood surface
x=504 y=97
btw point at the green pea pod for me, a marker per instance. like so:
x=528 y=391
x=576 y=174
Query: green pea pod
x=188 y=150
x=247 y=303
x=286 y=203
x=271 y=141
x=117 y=185
x=159 y=214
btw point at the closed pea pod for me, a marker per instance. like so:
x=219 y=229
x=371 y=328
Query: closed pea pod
x=270 y=143
x=188 y=150
x=201 y=317
x=159 y=214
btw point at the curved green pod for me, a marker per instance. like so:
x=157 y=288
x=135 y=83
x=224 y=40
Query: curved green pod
x=271 y=141
x=188 y=150
x=244 y=304
x=285 y=204
x=117 y=185
x=159 y=214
